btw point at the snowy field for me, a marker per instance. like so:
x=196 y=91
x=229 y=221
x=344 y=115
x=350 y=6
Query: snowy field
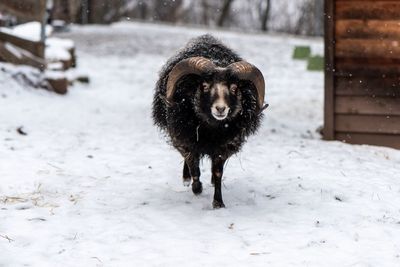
x=93 y=183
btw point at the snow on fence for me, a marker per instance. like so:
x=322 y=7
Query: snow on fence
x=362 y=81
x=15 y=49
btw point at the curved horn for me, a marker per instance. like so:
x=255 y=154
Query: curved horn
x=246 y=71
x=192 y=65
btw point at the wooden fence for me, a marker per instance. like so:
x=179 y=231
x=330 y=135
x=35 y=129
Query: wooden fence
x=362 y=75
x=25 y=52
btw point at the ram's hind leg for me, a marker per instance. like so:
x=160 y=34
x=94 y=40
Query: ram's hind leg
x=217 y=170
x=192 y=161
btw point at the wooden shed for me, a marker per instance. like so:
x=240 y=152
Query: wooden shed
x=362 y=72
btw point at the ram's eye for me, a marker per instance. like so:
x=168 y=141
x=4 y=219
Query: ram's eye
x=233 y=88
x=205 y=87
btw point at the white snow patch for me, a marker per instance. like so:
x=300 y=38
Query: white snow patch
x=58 y=49
x=60 y=42
x=54 y=53
x=94 y=183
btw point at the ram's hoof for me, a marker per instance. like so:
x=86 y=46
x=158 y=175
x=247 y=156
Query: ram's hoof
x=186 y=181
x=217 y=204
x=197 y=187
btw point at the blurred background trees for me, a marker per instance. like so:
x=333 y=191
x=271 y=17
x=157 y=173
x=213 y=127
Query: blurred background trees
x=291 y=16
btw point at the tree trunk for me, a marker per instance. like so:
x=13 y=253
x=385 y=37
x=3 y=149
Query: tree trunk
x=143 y=8
x=319 y=18
x=224 y=13
x=265 y=16
x=205 y=7
x=167 y=10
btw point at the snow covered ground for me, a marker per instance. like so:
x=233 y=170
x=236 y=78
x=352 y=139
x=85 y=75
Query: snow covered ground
x=93 y=183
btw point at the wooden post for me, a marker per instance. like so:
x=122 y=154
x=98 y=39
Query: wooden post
x=85 y=12
x=43 y=24
x=329 y=114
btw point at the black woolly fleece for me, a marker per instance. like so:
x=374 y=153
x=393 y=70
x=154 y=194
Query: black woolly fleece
x=186 y=130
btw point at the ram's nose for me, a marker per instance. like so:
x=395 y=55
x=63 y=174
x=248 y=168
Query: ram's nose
x=220 y=112
x=220 y=109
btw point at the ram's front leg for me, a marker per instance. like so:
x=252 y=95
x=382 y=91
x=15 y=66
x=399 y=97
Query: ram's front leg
x=186 y=175
x=217 y=170
x=192 y=161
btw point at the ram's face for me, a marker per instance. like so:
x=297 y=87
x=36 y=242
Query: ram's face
x=220 y=100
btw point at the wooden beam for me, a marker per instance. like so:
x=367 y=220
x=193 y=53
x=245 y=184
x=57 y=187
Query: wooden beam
x=368 y=10
x=58 y=85
x=15 y=55
x=371 y=139
x=366 y=48
x=368 y=29
x=36 y=48
x=329 y=115
x=364 y=85
x=367 y=105
x=365 y=1
x=375 y=62
x=368 y=124
x=351 y=67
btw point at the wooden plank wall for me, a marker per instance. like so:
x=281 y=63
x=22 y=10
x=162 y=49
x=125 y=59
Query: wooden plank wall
x=367 y=71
